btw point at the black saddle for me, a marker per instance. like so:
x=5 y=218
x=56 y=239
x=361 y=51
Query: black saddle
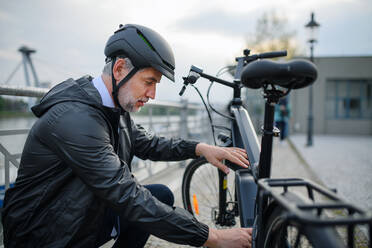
x=294 y=74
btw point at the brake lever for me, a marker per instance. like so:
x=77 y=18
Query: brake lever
x=191 y=78
x=183 y=87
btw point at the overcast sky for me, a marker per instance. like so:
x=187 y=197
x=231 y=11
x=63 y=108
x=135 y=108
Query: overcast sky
x=70 y=35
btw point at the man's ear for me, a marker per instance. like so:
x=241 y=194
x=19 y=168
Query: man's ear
x=119 y=70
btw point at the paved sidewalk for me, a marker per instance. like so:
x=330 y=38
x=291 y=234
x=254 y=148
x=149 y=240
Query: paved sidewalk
x=341 y=162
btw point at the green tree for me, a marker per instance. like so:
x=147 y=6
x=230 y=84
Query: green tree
x=2 y=103
x=273 y=34
x=7 y=104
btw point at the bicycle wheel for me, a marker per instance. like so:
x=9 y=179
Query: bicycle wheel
x=201 y=197
x=280 y=233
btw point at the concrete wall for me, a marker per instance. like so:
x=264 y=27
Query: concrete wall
x=330 y=68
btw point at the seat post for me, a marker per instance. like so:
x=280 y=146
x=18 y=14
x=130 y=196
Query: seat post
x=272 y=98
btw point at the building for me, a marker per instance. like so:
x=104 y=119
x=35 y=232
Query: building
x=342 y=97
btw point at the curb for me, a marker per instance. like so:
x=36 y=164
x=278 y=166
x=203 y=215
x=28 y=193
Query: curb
x=310 y=170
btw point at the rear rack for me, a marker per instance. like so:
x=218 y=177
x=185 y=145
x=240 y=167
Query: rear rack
x=300 y=212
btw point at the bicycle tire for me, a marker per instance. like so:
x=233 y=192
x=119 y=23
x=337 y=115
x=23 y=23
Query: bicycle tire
x=279 y=233
x=200 y=181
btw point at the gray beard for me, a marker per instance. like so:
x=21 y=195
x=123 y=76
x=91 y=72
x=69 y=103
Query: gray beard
x=127 y=101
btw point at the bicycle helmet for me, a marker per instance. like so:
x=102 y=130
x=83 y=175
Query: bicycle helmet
x=144 y=47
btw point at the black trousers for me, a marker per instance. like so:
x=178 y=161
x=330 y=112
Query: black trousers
x=128 y=234
x=283 y=127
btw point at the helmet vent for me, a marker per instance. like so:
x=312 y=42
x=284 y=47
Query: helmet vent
x=169 y=65
x=152 y=48
x=145 y=40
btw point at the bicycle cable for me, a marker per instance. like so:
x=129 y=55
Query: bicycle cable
x=208 y=112
x=220 y=72
x=211 y=107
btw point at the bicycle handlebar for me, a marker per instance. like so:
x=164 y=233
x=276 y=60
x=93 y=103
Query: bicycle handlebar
x=272 y=54
x=196 y=72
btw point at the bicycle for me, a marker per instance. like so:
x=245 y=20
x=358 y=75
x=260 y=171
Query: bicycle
x=278 y=219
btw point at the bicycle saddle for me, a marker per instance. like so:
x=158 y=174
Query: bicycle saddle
x=294 y=74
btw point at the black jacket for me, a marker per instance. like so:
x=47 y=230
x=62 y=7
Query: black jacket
x=75 y=164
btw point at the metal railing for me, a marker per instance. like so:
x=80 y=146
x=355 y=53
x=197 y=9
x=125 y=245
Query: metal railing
x=184 y=126
x=8 y=157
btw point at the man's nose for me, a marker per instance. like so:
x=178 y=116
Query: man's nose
x=151 y=92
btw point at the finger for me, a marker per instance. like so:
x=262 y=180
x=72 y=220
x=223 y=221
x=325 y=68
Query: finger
x=241 y=158
x=249 y=241
x=240 y=151
x=250 y=237
x=243 y=154
x=244 y=161
x=237 y=161
x=237 y=149
x=221 y=166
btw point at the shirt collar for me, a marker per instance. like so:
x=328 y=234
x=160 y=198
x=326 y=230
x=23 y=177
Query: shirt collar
x=105 y=95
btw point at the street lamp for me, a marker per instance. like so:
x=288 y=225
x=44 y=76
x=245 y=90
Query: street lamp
x=312 y=28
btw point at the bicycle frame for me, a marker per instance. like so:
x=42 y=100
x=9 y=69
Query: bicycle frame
x=244 y=134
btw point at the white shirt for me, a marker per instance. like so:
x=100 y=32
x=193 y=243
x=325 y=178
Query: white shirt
x=105 y=95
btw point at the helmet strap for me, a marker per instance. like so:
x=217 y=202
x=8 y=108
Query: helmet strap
x=115 y=88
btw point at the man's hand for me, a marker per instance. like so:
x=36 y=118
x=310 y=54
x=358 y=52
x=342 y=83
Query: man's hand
x=232 y=238
x=215 y=155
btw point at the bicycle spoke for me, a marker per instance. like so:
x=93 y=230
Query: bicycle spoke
x=205 y=185
x=203 y=188
x=211 y=175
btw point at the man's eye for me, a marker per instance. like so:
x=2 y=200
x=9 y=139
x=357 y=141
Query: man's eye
x=149 y=82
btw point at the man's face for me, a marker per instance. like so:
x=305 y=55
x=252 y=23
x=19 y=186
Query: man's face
x=139 y=89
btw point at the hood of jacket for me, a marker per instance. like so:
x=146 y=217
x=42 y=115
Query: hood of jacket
x=81 y=90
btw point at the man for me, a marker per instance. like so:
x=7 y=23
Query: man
x=282 y=116
x=74 y=186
